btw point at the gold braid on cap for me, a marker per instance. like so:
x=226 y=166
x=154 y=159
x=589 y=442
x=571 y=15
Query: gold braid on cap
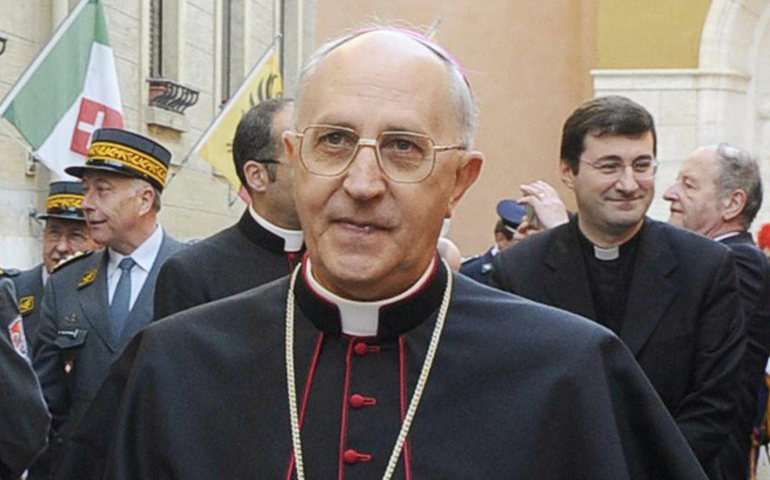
x=133 y=159
x=64 y=200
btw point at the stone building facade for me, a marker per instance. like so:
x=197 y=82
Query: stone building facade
x=207 y=45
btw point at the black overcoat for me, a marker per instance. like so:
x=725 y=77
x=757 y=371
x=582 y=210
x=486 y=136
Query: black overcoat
x=517 y=390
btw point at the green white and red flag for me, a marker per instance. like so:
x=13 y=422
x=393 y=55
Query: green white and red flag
x=70 y=90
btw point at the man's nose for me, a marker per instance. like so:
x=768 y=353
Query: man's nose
x=672 y=193
x=364 y=177
x=63 y=244
x=627 y=180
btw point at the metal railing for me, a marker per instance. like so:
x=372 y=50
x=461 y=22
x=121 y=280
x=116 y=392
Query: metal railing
x=170 y=95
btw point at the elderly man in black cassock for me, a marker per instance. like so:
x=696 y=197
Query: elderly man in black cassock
x=372 y=359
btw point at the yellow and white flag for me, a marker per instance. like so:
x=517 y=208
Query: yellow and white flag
x=215 y=145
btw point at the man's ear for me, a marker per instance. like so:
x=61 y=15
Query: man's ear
x=289 y=139
x=567 y=176
x=256 y=176
x=733 y=205
x=467 y=173
x=147 y=198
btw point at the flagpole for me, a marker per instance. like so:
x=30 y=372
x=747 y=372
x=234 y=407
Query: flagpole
x=228 y=106
x=42 y=55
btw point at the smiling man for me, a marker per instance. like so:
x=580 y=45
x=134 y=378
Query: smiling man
x=669 y=294
x=95 y=303
x=718 y=193
x=373 y=360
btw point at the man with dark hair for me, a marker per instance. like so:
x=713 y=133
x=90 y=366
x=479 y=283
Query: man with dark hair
x=718 y=193
x=267 y=240
x=65 y=234
x=374 y=360
x=669 y=294
x=95 y=303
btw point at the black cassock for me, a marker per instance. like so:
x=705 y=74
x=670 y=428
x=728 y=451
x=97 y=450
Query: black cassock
x=517 y=390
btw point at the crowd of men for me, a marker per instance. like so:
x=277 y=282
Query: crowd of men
x=323 y=335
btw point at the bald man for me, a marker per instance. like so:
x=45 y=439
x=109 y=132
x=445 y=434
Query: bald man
x=373 y=359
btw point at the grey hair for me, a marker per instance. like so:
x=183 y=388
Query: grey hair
x=739 y=171
x=465 y=101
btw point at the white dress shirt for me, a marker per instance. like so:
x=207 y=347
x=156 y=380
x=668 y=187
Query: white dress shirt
x=144 y=256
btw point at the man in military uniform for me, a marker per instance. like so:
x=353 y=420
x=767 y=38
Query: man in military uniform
x=373 y=360
x=94 y=304
x=510 y=215
x=267 y=240
x=23 y=414
x=65 y=234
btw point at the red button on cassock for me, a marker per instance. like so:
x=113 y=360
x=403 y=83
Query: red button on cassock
x=351 y=457
x=358 y=401
x=362 y=349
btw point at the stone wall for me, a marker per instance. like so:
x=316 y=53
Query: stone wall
x=196 y=202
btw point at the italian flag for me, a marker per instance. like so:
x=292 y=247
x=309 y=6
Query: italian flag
x=70 y=90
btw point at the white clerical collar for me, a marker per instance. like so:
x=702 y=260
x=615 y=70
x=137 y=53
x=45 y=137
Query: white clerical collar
x=361 y=319
x=144 y=255
x=606 y=254
x=726 y=235
x=292 y=239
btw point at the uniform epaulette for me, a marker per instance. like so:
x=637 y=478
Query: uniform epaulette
x=11 y=272
x=471 y=258
x=72 y=259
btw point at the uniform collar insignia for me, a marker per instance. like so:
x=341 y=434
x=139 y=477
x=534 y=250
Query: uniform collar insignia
x=88 y=278
x=26 y=304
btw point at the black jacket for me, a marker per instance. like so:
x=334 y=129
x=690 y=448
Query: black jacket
x=682 y=320
x=517 y=390
x=234 y=260
x=754 y=289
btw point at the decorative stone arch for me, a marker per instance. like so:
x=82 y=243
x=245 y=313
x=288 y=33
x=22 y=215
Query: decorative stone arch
x=725 y=99
x=736 y=38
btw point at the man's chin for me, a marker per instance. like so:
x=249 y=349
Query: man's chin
x=676 y=220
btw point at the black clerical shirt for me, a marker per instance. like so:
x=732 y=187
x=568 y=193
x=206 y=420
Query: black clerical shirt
x=610 y=280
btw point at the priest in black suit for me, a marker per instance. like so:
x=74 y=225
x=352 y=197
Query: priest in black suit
x=373 y=360
x=669 y=294
x=718 y=193
x=265 y=243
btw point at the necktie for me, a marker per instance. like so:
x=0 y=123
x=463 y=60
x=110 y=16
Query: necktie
x=121 y=299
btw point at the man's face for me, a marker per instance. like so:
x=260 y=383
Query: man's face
x=694 y=197
x=113 y=206
x=502 y=241
x=371 y=238
x=280 y=193
x=610 y=206
x=62 y=238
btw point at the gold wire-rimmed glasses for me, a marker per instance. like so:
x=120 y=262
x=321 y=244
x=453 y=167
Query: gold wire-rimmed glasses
x=404 y=157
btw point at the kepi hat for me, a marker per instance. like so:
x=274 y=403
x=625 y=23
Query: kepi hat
x=511 y=213
x=126 y=153
x=65 y=201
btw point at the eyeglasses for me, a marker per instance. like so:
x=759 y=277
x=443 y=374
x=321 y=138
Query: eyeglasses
x=642 y=168
x=404 y=157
